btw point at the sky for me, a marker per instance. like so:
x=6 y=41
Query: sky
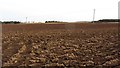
x=57 y=10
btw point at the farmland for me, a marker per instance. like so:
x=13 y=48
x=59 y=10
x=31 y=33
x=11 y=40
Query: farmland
x=70 y=44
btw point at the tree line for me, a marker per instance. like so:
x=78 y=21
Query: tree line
x=107 y=20
x=54 y=22
x=10 y=22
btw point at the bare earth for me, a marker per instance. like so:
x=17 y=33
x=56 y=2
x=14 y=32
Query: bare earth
x=74 y=45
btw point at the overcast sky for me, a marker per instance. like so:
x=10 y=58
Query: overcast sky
x=59 y=10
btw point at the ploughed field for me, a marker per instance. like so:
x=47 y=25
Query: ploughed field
x=77 y=44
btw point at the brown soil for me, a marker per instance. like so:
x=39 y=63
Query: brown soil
x=61 y=45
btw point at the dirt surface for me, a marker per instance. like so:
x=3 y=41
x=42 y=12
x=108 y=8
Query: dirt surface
x=73 y=45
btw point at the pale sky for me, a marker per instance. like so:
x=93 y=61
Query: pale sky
x=58 y=10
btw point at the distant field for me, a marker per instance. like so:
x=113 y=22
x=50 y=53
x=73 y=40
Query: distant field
x=70 y=44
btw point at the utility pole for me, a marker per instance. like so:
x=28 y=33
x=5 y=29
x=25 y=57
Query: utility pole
x=26 y=19
x=94 y=14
